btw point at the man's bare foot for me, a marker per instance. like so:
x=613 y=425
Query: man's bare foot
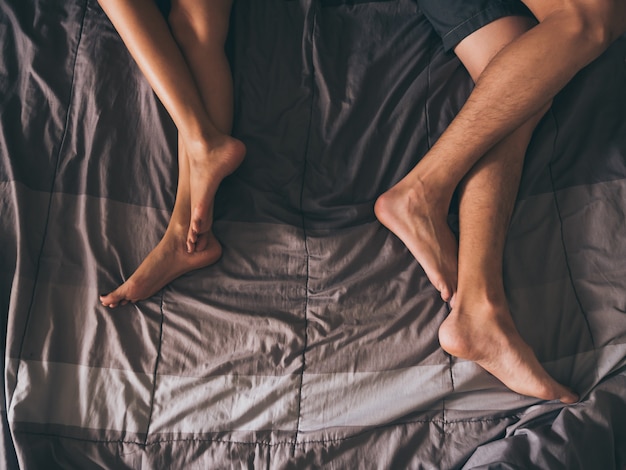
x=166 y=262
x=424 y=230
x=207 y=170
x=487 y=335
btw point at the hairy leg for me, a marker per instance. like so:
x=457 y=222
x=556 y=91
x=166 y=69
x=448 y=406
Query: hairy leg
x=200 y=30
x=480 y=327
x=405 y=208
x=212 y=153
x=516 y=84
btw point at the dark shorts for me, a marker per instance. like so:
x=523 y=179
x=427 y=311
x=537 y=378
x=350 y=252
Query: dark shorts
x=454 y=20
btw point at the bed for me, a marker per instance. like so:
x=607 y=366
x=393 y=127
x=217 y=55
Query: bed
x=313 y=341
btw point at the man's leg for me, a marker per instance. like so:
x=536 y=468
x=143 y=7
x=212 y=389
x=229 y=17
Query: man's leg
x=517 y=83
x=200 y=30
x=480 y=327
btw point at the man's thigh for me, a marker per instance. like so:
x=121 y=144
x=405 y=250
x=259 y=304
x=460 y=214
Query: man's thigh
x=454 y=20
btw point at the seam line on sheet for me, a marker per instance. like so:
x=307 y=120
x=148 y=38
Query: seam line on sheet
x=51 y=192
x=427 y=100
x=450 y=355
x=429 y=142
x=290 y=443
x=562 y=231
x=156 y=367
x=445 y=423
x=306 y=245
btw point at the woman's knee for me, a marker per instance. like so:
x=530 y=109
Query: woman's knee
x=181 y=25
x=196 y=23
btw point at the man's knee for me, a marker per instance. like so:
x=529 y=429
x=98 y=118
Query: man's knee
x=594 y=24
x=603 y=21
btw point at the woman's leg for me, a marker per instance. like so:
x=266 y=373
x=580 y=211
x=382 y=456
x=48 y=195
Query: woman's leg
x=212 y=153
x=170 y=258
x=199 y=30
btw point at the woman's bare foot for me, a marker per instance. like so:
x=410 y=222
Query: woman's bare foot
x=424 y=230
x=166 y=262
x=487 y=335
x=207 y=170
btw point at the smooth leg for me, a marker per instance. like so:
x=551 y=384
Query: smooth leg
x=211 y=152
x=170 y=258
x=199 y=29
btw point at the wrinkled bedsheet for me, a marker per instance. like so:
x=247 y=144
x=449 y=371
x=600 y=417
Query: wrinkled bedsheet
x=313 y=341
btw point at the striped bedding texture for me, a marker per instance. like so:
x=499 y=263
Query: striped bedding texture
x=313 y=341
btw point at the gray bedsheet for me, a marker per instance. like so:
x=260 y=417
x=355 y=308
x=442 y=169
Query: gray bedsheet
x=313 y=341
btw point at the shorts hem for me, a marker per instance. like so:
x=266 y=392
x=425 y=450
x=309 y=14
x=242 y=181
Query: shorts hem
x=452 y=38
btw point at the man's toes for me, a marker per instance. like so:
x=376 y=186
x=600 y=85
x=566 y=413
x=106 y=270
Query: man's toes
x=113 y=299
